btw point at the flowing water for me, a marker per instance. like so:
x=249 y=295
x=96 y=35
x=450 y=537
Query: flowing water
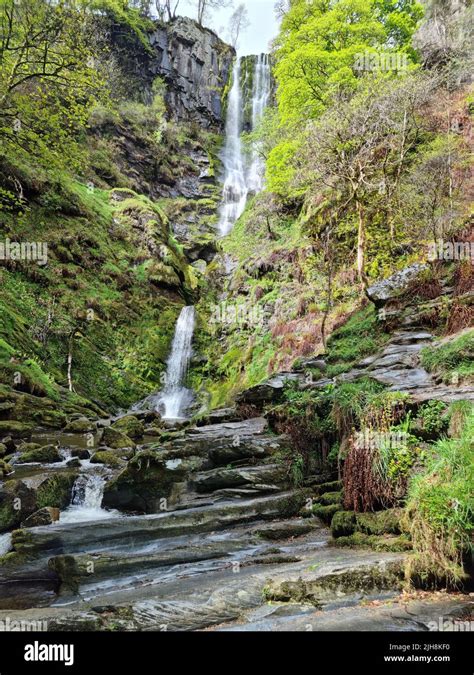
x=242 y=176
x=86 y=500
x=260 y=100
x=175 y=398
x=235 y=186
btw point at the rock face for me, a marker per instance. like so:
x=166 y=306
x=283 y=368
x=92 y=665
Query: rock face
x=194 y=63
x=390 y=288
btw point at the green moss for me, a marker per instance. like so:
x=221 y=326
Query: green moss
x=106 y=457
x=362 y=335
x=343 y=524
x=330 y=498
x=381 y=522
x=385 y=543
x=56 y=490
x=452 y=360
x=326 y=513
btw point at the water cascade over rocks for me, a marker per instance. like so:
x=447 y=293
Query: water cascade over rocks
x=175 y=398
x=242 y=175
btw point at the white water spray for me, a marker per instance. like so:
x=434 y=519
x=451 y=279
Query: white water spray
x=235 y=188
x=175 y=397
x=86 y=500
x=242 y=177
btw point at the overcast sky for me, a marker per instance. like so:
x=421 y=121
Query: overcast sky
x=263 y=23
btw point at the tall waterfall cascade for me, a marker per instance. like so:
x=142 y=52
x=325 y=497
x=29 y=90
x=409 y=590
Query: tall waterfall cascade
x=175 y=397
x=243 y=175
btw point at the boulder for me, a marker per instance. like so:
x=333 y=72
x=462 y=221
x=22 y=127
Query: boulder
x=268 y=391
x=3 y=450
x=106 y=457
x=48 y=454
x=394 y=286
x=80 y=426
x=130 y=426
x=16 y=429
x=17 y=502
x=45 y=516
x=113 y=438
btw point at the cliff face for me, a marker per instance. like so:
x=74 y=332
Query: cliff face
x=194 y=63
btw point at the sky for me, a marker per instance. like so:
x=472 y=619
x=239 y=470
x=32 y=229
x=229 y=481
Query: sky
x=263 y=23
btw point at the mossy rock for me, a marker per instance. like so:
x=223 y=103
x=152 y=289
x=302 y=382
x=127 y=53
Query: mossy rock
x=385 y=543
x=343 y=524
x=332 y=486
x=3 y=450
x=115 y=439
x=381 y=522
x=329 y=498
x=80 y=426
x=17 y=501
x=16 y=429
x=48 y=454
x=326 y=513
x=56 y=490
x=130 y=426
x=106 y=457
x=5 y=468
x=28 y=447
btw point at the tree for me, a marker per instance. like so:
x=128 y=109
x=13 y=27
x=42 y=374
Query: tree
x=204 y=6
x=238 y=23
x=48 y=75
x=167 y=9
x=363 y=145
x=318 y=51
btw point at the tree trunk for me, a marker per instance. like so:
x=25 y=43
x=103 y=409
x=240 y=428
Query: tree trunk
x=361 y=242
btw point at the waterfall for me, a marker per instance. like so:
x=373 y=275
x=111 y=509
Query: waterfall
x=242 y=176
x=175 y=397
x=234 y=195
x=5 y=543
x=260 y=100
x=86 y=500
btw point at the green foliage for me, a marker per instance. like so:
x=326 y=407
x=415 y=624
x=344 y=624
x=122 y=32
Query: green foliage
x=451 y=359
x=432 y=416
x=360 y=336
x=440 y=509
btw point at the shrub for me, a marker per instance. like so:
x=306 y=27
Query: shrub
x=440 y=510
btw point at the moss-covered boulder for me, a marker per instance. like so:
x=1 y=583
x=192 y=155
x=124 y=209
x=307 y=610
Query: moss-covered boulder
x=115 y=439
x=28 y=447
x=5 y=468
x=388 y=543
x=3 y=450
x=15 y=429
x=326 y=513
x=56 y=490
x=17 y=502
x=330 y=498
x=130 y=426
x=80 y=426
x=48 y=454
x=343 y=524
x=107 y=457
x=146 y=481
x=381 y=522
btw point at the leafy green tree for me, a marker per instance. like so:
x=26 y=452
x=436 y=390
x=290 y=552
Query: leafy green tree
x=323 y=50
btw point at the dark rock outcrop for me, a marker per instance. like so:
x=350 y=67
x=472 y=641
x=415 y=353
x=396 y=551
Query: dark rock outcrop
x=194 y=63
